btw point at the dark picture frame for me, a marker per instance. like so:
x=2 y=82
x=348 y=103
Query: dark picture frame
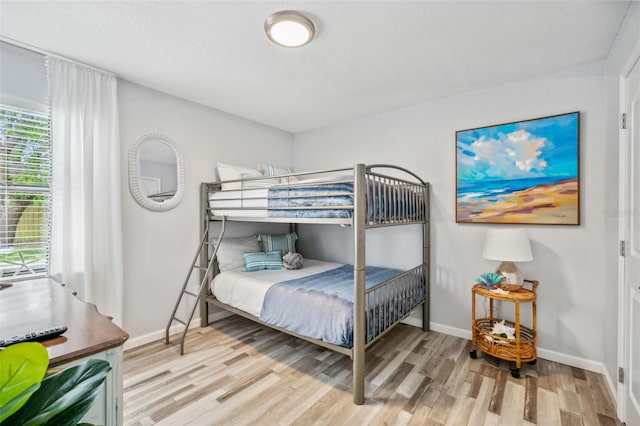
x=524 y=172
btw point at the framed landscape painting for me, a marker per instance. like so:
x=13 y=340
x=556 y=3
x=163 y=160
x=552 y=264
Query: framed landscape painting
x=524 y=172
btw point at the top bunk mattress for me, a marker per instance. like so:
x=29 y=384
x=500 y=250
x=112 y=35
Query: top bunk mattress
x=308 y=198
x=241 y=203
x=325 y=198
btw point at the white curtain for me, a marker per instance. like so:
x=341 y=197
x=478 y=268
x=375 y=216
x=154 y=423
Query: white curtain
x=86 y=227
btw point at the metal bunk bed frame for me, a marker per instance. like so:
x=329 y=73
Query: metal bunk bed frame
x=367 y=185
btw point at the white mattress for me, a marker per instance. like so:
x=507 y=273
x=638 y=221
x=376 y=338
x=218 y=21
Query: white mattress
x=246 y=290
x=218 y=200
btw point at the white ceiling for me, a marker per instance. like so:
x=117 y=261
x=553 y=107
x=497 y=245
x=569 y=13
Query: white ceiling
x=368 y=56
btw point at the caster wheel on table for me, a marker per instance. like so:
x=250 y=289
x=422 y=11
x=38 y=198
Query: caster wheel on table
x=532 y=362
x=473 y=354
x=515 y=373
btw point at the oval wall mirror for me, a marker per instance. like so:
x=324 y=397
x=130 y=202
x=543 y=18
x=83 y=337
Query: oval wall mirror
x=156 y=172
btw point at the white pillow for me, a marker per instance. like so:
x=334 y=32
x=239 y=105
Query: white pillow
x=230 y=172
x=231 y=252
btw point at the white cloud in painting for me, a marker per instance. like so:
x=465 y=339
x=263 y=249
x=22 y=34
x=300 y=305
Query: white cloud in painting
x=510 y=156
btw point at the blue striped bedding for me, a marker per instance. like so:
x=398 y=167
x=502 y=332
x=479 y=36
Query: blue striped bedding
x=388 y=201
x=321 y=306
x=312 y=196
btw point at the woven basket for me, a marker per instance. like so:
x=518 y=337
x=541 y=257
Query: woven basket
x=501 y=347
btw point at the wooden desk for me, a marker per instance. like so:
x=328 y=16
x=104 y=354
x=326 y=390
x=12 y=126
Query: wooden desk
x=38 y=304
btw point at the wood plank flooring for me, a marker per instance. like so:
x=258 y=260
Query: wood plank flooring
x=237 y=372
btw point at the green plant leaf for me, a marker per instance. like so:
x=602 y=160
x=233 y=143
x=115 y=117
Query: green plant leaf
x=63 y=398
x=22 y=367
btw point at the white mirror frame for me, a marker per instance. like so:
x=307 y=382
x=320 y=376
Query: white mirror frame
x=134 y=173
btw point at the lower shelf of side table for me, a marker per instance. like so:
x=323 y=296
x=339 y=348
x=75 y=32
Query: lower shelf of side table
x=501 y=347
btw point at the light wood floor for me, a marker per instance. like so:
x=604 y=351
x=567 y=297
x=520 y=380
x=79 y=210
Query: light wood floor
x=240 y=373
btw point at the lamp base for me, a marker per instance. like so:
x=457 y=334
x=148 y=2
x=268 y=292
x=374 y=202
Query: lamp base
x=512 y=278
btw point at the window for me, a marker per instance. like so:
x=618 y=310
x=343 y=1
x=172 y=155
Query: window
x=25 y=193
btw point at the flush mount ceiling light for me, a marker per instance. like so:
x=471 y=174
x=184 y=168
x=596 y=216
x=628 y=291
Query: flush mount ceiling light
x=289 y=28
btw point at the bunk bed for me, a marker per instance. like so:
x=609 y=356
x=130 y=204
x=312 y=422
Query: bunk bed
x=362 y=197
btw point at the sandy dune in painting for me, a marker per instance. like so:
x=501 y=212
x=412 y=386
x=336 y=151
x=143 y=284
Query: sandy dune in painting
x=553 y=203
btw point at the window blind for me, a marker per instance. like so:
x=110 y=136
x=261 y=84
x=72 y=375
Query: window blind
x=25 y=191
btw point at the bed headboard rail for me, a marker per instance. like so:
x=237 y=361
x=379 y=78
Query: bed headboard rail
x=370 y=167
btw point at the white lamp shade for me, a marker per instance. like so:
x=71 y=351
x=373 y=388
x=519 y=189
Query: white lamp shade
x=505 y=244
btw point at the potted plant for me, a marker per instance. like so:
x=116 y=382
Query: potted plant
x=30 y=395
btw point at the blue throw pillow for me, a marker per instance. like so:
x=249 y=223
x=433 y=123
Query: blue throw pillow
x=261 y=260
x=284 y=243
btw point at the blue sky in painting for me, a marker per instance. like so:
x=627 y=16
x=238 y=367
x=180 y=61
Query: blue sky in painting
x=546 y=147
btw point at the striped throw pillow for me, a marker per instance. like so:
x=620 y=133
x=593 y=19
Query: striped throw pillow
x=261 y=260
x=284 y=243
x=270 y=170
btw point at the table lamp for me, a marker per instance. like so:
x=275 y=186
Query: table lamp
x=508 y=245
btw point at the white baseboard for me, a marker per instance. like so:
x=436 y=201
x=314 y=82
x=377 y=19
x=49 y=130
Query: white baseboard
x=412 y=321
x=611 y=384
x=154 y=336
x=571 y=360
x=440 y=328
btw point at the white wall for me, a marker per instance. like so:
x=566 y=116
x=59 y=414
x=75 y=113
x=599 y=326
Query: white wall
x=159 y=246
x=23 y=78
x=569 y=261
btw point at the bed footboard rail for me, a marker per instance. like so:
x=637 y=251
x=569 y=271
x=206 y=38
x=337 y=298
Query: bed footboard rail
x=391 y=301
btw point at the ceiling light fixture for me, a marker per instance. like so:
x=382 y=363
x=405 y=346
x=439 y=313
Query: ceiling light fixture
x=289 y=28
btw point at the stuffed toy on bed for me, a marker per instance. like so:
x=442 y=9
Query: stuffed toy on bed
x=292 y=260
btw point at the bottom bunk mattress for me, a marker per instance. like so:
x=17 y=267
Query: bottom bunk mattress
x=317 y=300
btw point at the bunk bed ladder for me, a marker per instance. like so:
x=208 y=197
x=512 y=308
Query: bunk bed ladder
x=200 y=252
